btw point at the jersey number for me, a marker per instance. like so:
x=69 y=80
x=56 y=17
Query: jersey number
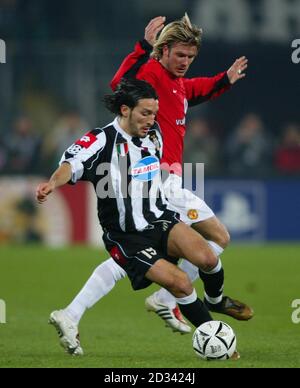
x=149 y=253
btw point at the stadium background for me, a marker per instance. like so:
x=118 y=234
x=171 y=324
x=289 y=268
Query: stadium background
x=59 y=61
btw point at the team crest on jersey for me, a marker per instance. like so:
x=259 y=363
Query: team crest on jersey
x=193 y=214
x=146 y=169
x=122 y=149
x=153 y=137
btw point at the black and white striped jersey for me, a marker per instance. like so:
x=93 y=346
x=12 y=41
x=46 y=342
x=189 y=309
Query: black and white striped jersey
x=125 y=172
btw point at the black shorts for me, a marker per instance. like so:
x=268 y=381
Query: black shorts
x=137 y=252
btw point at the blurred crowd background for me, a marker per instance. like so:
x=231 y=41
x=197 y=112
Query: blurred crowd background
x=61 y=56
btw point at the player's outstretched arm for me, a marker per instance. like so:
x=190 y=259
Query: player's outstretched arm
x=153 y=28
x=237 y=70
x=132 y=63
x=61 y=176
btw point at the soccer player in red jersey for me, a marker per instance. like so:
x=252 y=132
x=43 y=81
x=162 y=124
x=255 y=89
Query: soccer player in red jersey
x=164 y=62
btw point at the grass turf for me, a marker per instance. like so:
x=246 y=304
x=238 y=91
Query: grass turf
x=118 y=332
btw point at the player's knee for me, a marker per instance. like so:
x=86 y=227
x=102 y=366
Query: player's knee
x=181 y=285
x=209 y=262
x=222 y=238
x=225 y=239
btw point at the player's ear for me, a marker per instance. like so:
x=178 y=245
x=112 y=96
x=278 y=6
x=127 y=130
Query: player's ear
x=166 y=50
x=125 y=111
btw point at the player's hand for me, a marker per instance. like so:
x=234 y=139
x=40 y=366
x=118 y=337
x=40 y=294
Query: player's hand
x=237 y=70
x=153 y=28
x=42 y=192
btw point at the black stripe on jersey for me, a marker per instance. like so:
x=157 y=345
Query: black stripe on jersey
x=108 y=212
x=130 y=224
x=221 y=84
x=125 y=165
x=132 y=72
x=159 y=203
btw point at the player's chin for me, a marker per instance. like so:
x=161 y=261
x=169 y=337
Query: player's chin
x=144 y=133
x=180 y=73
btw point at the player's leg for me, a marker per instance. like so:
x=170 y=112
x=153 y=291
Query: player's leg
x=217 y=235
x=214 y=231
x=194 y=211
x=101 y=282
x=66 y=321
x=177 y=282
x=185 y=242
x=213 y=280
x=196 y=250
x=163 y=296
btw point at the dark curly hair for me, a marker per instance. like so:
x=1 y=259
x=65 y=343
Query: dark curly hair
x=128 y=93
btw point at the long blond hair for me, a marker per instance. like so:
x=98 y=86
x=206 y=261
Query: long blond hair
x=180 y=31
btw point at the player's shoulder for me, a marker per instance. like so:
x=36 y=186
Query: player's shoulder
x=154 y=65
x=107 y=132
x=97 y=137
x=152 y=68
x=94 y=135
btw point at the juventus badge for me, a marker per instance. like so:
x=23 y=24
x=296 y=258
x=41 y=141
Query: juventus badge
x=155 y=141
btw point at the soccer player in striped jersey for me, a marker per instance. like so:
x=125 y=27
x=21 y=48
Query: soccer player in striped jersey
x=143 y=235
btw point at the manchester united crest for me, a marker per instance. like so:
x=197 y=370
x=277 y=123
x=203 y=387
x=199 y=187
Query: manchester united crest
x=193 y=214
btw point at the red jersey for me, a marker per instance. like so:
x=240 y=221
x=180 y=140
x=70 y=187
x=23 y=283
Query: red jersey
x=175 y=96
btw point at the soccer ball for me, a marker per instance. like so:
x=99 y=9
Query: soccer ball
x=214 y=340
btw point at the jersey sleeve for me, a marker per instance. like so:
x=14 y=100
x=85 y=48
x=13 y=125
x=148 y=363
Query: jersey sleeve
x=83 y=154
x=201 y=89
x=132 y=63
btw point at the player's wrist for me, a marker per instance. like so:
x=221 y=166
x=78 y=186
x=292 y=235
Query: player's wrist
x=228 y=79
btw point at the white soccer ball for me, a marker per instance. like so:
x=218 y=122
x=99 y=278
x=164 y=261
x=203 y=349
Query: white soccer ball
x=214 y=340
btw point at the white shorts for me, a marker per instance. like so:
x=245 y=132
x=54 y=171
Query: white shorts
x=191 y=208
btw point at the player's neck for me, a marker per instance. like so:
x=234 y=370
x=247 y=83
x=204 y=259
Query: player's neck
x=166 y=67
x=123 y=123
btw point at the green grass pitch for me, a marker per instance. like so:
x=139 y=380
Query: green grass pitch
x=118 y=332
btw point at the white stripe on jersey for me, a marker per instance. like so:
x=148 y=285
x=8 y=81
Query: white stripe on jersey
x=116 y=184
